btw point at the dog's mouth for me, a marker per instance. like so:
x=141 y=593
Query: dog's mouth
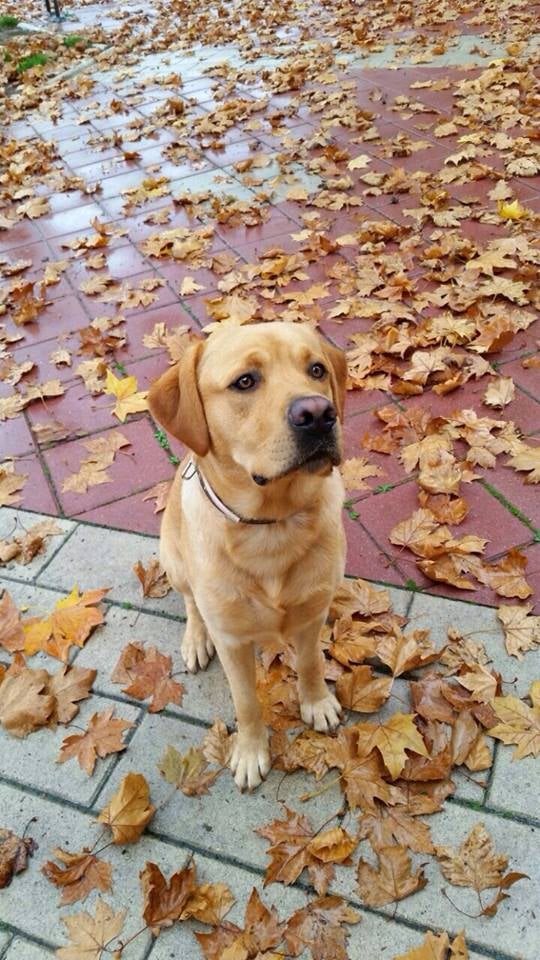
x=326 y=453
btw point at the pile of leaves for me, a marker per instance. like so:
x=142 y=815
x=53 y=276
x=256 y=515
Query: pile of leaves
x=393 y=768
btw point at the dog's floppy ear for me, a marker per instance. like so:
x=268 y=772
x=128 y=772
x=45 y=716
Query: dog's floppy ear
x=338 y=375
x=175 y=402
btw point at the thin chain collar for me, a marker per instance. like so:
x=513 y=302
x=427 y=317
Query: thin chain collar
x=191 y=470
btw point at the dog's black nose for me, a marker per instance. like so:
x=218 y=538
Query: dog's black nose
x=312 y=415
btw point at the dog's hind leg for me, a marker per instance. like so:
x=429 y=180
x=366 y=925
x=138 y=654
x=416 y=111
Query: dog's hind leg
x=197 y=647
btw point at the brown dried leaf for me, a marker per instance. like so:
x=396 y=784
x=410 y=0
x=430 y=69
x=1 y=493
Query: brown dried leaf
x=153 y=578
x=129 y=809
x=392 y=881
x=14 y=853
x=82 y=873
x=102 y=737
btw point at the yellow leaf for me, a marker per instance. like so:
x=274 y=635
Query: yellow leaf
x=128 y=400
x=512 y=211
x=129 y=810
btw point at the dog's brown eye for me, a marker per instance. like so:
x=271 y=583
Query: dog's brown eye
x=317 y=370
x=245 y=382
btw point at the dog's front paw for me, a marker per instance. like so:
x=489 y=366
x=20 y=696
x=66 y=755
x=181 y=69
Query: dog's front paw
x=322 y=713
x=197 y=648
x=250 y=760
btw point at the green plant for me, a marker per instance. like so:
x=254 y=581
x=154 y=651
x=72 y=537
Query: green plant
x=163 y=441
x=73 y=39
x=412 y=584
x=7 y=21
x=34 y=60
x=383 y=488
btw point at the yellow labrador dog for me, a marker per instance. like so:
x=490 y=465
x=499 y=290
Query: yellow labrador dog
x=252 y=532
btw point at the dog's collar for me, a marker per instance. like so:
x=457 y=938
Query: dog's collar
x=191 y=470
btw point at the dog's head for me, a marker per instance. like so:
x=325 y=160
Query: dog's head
x=269 y=396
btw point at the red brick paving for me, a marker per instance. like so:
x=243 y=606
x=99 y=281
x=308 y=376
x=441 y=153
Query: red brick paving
x=119 y=503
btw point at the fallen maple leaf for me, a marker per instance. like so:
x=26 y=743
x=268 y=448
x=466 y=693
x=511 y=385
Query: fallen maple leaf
x=359 y=596
x=68 y=687
x=129 y=809
x=384 y=826
x=10 y=484
x=25 y=704
x=81 y=874
x=512 y=211
x=188 y=773
x=499 y=393
x=356 y=470
x=128 y=400
x=11 y=631
x=148 y=674
x=520 y=724
x=319 y=928
x=361 y=768
x=159 y=493
x=393 y=738
x=153 y=578
x=71 y=623
x=527 y=458
x=403 y=652
x=181 y=898
x=521 y=628
x=24 y=548
x=476 y=865
x=165 y=901
x=294 y=848
x=435 y=947
x=360 y=691
x=93 y=469
x=392 y=881
x=261 y=935
x=217 y=744
x=102 y=737
x=507 y=577
x=14 y=853
x=90 y=936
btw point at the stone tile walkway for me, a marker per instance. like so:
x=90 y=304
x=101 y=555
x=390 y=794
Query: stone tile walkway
x=111 y=111
x=60 y=803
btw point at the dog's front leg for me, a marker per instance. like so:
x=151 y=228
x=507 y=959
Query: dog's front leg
x=250 y=761
x=318 y=705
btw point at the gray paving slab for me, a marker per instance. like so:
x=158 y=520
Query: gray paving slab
x=514 y=930
x=373 y=938
x=56 y=826
x=25 y=950
x=95 y=557
x=514 y=785
x=15 y=523
x=32 y=761
x=4 y=940
x=206 y=694
x=481 y=624
x=223 y=820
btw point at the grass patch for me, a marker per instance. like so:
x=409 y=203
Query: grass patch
x=163 y=442
x=515 y=511
x=73 y=39
x=412 y=585
x=7 y=21
x=34 y=60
